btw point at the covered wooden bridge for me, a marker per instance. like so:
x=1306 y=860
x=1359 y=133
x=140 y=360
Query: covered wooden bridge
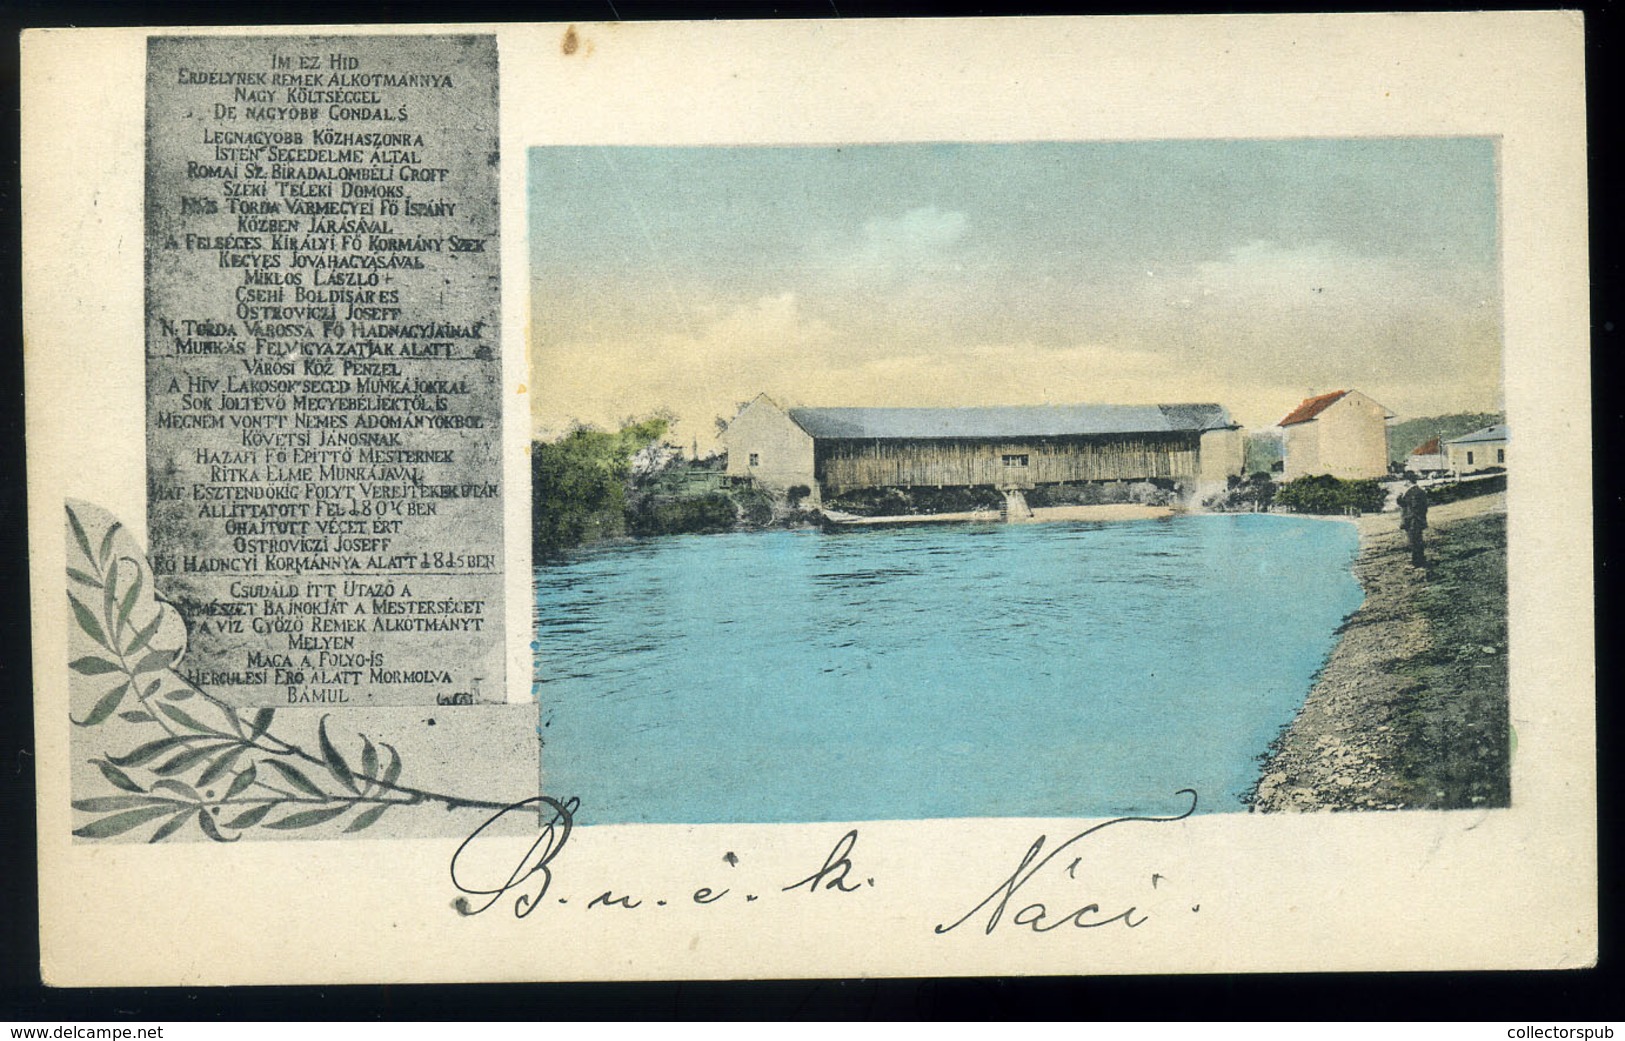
x=834 y=450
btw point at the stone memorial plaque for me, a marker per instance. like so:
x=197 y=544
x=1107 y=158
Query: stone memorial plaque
x=323 y=365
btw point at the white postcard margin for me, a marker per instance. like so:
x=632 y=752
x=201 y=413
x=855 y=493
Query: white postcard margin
x=1421 y=890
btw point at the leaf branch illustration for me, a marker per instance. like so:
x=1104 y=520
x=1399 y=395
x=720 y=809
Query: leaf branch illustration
x=243 y=772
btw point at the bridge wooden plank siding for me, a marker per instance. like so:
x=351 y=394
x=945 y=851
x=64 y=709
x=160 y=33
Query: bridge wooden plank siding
x=835 y=450
x=842 y=465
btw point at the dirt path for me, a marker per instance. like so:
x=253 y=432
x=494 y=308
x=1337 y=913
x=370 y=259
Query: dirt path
x=1410 y=707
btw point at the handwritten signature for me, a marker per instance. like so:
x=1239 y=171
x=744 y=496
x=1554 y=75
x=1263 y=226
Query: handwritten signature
x=557 y=820
x=528 y=880
x=1036 y=915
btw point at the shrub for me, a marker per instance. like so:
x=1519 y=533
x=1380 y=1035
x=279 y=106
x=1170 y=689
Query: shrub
x=902 y=502
x=1256 y=492
x=956 y=499
x=872 y=502
x=1155 y=492
x=1084 y=494
x=1443 y=493
x=702 y=514
x=755 y=505
x=795 y=493
x=1323 y=493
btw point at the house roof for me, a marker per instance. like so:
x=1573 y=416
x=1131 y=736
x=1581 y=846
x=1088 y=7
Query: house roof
x=1009 y=422
x=1494 y=432
x=1428 y=447
x=1312 y=407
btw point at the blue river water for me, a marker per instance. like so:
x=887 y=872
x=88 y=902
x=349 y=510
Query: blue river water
x=1039 y=670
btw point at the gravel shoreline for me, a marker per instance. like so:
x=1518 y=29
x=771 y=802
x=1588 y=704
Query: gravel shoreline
x=1352 y=745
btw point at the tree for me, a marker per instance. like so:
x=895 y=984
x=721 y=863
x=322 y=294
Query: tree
x=580 y=482
x=1323 y=493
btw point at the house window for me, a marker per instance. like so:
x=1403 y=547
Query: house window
x=1469 y=459
x=1500 y=455
x=1015 y=460
x=755 y=459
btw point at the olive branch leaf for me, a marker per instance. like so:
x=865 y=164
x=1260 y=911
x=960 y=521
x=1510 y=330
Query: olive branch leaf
x=205 y=763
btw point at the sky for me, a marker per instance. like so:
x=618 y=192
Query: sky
x=1250 y=273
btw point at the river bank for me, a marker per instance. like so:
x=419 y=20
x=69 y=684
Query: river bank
x=1410 y=709
x=1104 y=512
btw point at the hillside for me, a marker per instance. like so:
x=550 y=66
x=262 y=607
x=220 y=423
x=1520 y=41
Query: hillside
x=1264 y=450
x=1406 y=435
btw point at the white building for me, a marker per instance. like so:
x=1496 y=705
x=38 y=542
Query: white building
x=1344 y=434
x=1427 y=457
x=1479 y=450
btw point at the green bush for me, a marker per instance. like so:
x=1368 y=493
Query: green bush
x=1323 y=493
x=755 y=505
x=1443 y=493
x=1255 y=492
x=1045 y=495
x=903 y=502
x=1099 y=493
x=578 y=484
x=872 y=502
x=957 y=500
x=703 y=514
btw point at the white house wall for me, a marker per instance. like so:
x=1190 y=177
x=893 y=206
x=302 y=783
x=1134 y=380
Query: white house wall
x=766 y=444
x=1348 y=440
x=1484 y=456
x=1302 y=447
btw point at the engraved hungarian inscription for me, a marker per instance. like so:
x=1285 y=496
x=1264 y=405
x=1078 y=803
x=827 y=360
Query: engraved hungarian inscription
x=323 y=365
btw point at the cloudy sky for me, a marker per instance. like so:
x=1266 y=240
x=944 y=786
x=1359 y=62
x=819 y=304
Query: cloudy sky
x=1250 y=273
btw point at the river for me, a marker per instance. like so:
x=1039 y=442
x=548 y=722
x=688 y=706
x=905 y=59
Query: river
x=1038 y=670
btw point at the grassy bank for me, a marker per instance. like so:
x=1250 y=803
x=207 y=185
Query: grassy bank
x=1457 y=745
x=1410 y=710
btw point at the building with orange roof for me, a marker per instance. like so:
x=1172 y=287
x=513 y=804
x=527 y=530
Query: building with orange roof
x=1343 y=433
x=1427 y=457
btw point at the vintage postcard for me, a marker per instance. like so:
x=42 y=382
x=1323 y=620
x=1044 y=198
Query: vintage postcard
x=683 y=500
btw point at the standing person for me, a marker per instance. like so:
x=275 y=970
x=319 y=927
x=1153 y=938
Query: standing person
x=1413 y=519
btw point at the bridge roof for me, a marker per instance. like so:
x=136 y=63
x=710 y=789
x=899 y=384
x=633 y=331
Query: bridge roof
x=1016 y=421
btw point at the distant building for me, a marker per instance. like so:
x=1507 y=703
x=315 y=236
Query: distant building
x=1479 y=450
x=1344 y=434
x=832 y=450
x=1427 y=457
